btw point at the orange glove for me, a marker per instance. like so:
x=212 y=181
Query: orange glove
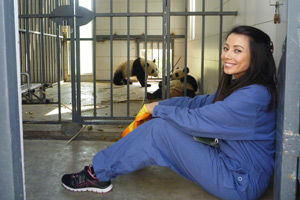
x=141 y=117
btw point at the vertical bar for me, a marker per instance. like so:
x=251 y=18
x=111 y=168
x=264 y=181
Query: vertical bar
x=31 y=43
x=128 y=57
x=32 y=78
x=146 y=47
x=73 y=67
x=36 y=60
x=51 y=59
x=46 y=48
x=12 y=179
x=157 y=53
x=111 y=60
x=168 y=46
x=21 y=51
x=94 y=59
x=138 y=47
x=163 y=95
x=27 y=40
x=36 y=57
x=185 y=50
x=220 y=38
x=152 y=49
x=78 y=81
x=58 y=68
x=46 y=26
x=173 y=50
x=202 y=48
x=42 y=53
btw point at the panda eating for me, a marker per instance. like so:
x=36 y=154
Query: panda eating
x=137 y=68
x=177 y=85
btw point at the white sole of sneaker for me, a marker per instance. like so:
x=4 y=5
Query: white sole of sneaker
x=90 y=189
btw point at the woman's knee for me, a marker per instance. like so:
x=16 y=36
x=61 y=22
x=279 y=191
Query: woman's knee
x=160 y=128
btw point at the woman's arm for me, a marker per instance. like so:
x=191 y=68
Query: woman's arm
x=182 y=102
x=231 y=119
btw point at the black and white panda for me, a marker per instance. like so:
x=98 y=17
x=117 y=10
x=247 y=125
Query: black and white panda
x=137 y=68
x=177 y=82
x=177 y=85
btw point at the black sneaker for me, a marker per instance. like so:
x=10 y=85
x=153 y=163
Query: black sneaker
x=85 y=181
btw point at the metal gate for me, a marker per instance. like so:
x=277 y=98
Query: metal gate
x=70 y=16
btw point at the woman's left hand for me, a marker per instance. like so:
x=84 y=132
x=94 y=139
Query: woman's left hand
x=150 y=106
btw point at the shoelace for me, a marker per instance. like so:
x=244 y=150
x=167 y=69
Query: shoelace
x=79 y=178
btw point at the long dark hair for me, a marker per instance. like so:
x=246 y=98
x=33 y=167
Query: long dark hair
x=262 y=68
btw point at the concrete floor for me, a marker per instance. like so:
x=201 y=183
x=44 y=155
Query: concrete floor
x=48 y=157
x=47 y=160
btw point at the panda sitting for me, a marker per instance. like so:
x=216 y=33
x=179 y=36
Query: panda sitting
x=177 y=85
x=137 y=68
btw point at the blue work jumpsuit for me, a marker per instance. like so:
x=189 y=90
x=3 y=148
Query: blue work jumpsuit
x=242 y=166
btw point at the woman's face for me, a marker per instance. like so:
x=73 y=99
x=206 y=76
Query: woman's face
x=236 y=55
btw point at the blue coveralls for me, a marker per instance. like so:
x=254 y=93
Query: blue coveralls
x=240 y=168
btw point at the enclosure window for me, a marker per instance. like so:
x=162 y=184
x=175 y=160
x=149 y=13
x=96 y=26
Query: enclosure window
x=86 y=47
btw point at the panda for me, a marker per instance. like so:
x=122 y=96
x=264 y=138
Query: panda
x=177 y=85
x=137 y=68
x=177 y=82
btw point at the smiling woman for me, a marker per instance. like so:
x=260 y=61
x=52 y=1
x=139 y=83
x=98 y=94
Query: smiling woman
x=236 y=55
x=239 y=118
x=248 y=59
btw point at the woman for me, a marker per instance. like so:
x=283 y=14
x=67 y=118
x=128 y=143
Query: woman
x=240 y=116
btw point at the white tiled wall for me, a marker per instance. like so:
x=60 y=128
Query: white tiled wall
x=103 y=61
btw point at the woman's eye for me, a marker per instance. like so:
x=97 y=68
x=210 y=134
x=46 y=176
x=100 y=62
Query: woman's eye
x=225 y=48
x=237 y=51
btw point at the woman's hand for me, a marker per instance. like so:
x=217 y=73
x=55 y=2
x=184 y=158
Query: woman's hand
x=150 y=106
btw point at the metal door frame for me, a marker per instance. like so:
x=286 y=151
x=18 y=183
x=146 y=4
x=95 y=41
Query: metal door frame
x=11 y=144
x=287 y=164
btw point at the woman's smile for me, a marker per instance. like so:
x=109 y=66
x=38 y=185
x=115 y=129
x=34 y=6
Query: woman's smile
x=229 y=65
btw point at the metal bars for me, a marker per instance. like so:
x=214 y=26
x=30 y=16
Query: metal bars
x=40 y=46
x=167 y=45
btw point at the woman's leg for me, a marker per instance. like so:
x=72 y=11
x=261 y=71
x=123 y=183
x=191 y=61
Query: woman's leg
x=159 y=142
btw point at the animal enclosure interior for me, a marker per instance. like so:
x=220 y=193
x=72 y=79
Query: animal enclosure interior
x=67 y=54
x=57 y=48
